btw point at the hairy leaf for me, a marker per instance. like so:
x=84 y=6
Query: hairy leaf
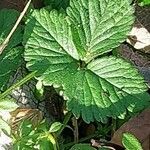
x=118 y=73
x=99 y=25
x=10 y=59
x=108 y=87
x=56 y=45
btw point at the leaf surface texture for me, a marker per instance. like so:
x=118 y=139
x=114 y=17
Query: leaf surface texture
x=62 y=48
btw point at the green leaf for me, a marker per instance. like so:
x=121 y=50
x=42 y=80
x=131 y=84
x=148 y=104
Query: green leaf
x=9 y=62
x=8 y=104
x=57 y=4
x=58 y=40
x=4 y=126
x=130 y=142
x=144 y=2
x=45 y=144
x=98 y=26
x=11 y=57
x=118 y=73
x=56 y=126
x=23 y=145
x=82 y=147
x=108 y=87
x=31 y=137
x=39 y=91
x=8 y=18
x=25 y=128
x=104 y=87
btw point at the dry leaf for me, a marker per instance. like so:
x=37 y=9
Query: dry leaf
x=17 y=116
x=138 y=126
x=139 y=38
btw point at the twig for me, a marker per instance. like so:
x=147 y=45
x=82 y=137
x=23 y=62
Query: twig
x=5 y=43
x=114 y=126
x=98 y=144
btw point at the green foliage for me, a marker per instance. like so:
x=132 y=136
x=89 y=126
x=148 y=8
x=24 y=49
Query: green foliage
x=64 y=50
x=68 y=50
x=4 y=126
x=25 y=128
x=82 y=147
x=56 y=126
x=36 y=138
x=57 y=4
x=8 y=104
x=11 y=57
x=39 y=91
x=144 y=2
x=87 y=147
x=130 y=142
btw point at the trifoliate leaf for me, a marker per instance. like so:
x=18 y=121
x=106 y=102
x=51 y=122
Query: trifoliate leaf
x=10 y=59
x=82 y=147
x=55 y=47
x=130 y=142
x=99 y=25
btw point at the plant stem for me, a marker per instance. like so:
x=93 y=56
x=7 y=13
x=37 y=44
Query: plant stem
x=114 y=125
x=5 y=43
x=21 y=82
x=53 y=141
x=76 y=131
x=67 y=118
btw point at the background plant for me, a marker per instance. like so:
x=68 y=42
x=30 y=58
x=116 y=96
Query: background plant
x=72 y=51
